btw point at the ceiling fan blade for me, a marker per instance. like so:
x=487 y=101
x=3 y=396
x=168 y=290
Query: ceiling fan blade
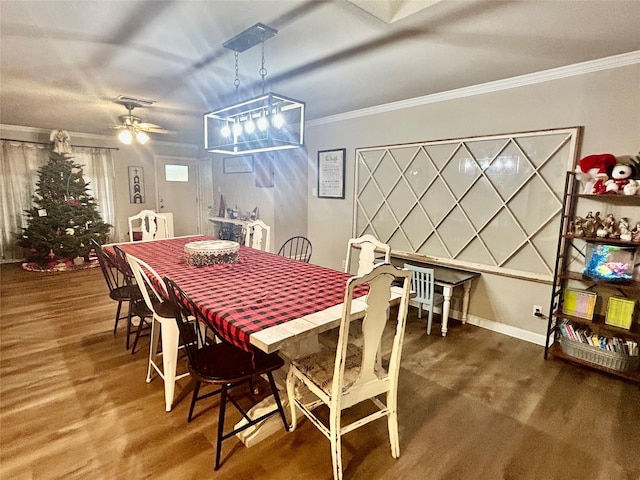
x=157 y=130
x=146 y=125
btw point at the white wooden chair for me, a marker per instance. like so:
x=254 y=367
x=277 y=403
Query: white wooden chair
x=152 y=225
x=369 y=246
x=425 y=298
x=350 y=374
x=258 y=235
x=155 y=296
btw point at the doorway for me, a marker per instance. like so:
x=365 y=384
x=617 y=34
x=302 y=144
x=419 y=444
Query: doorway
x=177 y=187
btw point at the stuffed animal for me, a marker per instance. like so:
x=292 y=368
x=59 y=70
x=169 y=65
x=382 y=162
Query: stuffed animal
x=620 y=177
x=632 y=187
x=593 y=171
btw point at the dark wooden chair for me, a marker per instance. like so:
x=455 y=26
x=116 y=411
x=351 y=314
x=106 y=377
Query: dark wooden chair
x=223 y=365
x=137 y=305
x=119 y=289
x=298 y=248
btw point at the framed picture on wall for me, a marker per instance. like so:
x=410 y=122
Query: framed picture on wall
x=136 y=185
x=239 y=164
x=331 y=172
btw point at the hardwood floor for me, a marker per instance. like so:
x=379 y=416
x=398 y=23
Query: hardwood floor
x=474 y=405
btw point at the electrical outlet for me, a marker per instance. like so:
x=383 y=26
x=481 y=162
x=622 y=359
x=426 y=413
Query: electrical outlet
x=537 y=311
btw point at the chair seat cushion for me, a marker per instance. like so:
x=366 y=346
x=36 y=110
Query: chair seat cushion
x=226 y=363
x=318 y=367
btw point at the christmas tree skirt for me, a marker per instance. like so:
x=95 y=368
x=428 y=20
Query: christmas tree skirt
x=60 y=265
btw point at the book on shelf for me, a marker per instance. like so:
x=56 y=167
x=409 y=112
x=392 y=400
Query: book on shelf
x=579 y=303
x=620 y=312
x=584 y=335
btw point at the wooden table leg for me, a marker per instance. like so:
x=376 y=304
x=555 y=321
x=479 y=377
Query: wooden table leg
x=170 y=339
x=465 y=301
x=446 y=293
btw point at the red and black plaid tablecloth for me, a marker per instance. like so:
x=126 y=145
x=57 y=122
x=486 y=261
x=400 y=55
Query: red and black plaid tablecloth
x=259 y=291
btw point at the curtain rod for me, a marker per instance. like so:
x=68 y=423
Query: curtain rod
x=49 y=143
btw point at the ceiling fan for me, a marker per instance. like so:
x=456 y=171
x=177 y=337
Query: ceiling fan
x=132 y=127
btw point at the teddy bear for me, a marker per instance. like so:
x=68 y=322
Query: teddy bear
x=593 y=171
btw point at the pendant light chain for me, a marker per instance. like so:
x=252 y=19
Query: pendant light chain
x=263 y=71
x=236 y=82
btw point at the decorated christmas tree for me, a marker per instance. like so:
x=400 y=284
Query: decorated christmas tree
x=64 y=218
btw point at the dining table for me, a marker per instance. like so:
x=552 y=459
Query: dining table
x=262 y=300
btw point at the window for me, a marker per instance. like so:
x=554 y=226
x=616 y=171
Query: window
x=176 y=173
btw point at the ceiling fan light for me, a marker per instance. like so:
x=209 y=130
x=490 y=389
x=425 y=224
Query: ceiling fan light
x=142 y=137
x=125 y=136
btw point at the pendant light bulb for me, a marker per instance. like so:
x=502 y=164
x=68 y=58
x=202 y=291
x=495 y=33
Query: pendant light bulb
x=278 y=120
x=237 y=128
x=250 y=126
x=225 y=131
x=262 y=122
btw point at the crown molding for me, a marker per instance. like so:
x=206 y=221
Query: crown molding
x=91 y=136
x=583 y=68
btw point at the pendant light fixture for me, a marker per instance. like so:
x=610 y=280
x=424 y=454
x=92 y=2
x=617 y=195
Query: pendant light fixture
x=264 y=123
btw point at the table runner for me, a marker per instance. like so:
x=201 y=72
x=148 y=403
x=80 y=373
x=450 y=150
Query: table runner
x=261 y=290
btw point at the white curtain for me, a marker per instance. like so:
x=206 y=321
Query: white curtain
x=19 y=164
x=99 y=172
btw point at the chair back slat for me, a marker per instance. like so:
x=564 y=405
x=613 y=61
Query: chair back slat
x=421 y=283
x=152 y=225
x=123 y=265
x=369 y=246
x=183 y=308
x=297 y=248
x=380 y=281
x=112 y=275
x=258 y=235
x=153 y=291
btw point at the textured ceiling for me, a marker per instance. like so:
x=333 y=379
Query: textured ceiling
x=62 y=62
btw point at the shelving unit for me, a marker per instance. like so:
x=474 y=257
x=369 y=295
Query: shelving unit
x=569 y=274
x=230 y=228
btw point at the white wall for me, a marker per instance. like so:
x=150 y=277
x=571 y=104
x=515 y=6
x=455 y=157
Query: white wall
x=283 y=205
x=606 y=103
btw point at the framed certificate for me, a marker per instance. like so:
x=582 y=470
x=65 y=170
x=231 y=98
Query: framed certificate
x=239 y=164
x=331 y=172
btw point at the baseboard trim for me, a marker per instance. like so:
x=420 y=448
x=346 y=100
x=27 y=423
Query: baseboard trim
x=509 y=330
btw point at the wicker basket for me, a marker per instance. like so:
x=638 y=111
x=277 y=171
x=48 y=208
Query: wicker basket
x=599 y=356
